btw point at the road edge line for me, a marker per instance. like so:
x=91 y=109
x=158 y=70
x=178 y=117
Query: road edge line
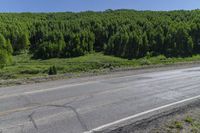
x=106 y=126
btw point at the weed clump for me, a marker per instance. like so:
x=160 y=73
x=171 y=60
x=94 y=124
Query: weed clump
x=178 y=124
x=52 y=70
x=188 y=119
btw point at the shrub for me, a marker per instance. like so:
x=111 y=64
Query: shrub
x=145 y=62
x=178 y=124
x=52 y=70
x=188 y=119
x=5 y=52
x=148 y=55
x=5 y=58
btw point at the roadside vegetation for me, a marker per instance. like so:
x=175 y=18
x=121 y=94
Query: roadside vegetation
x=24 y=66
x=37 y=44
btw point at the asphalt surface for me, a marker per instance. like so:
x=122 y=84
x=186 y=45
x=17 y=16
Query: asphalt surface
x=79 y=105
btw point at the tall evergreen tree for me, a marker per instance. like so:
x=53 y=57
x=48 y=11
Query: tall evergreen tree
x=5 y=52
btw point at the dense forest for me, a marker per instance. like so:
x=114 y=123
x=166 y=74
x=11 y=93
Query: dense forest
x=123 y=33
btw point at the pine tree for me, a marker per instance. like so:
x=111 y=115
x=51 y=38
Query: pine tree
x=5 y=52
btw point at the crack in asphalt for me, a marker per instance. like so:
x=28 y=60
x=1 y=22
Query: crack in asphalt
x=82 y=122
x=66 y=106
x=32 y=120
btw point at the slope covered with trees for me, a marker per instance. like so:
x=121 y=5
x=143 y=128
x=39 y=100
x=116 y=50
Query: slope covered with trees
x=123 y=33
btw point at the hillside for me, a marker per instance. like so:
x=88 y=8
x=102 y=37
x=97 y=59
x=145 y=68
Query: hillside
x=136 y=37
x=123 y=33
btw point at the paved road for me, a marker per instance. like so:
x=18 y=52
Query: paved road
x=75 y=106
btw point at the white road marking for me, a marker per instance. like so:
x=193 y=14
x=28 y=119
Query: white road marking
x=140 y=114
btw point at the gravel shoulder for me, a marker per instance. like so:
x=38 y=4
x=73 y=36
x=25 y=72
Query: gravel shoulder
x=183 y=120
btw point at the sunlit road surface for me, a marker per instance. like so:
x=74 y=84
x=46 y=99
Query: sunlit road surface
x=79 y=106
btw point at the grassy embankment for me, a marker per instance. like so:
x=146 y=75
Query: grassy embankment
x=25 y=67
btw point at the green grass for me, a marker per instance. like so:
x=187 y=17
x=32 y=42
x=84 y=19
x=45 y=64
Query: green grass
x=25 y=67
x=178 y=124
x=189 y=119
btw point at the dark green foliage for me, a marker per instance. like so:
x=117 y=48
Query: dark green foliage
x=79 y=44
x=53 y=46
x=9 y=47
x=24 y=42
x=52 y=70
x=5 y=52
x=21 y=43
x=123 y=33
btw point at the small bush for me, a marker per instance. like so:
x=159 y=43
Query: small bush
x=107 y=65
x=161 y=57
x=178 y=124
x=148 y=55
x=145 y=62
x=110 y=66
x=188 y=119
x=52 y=70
